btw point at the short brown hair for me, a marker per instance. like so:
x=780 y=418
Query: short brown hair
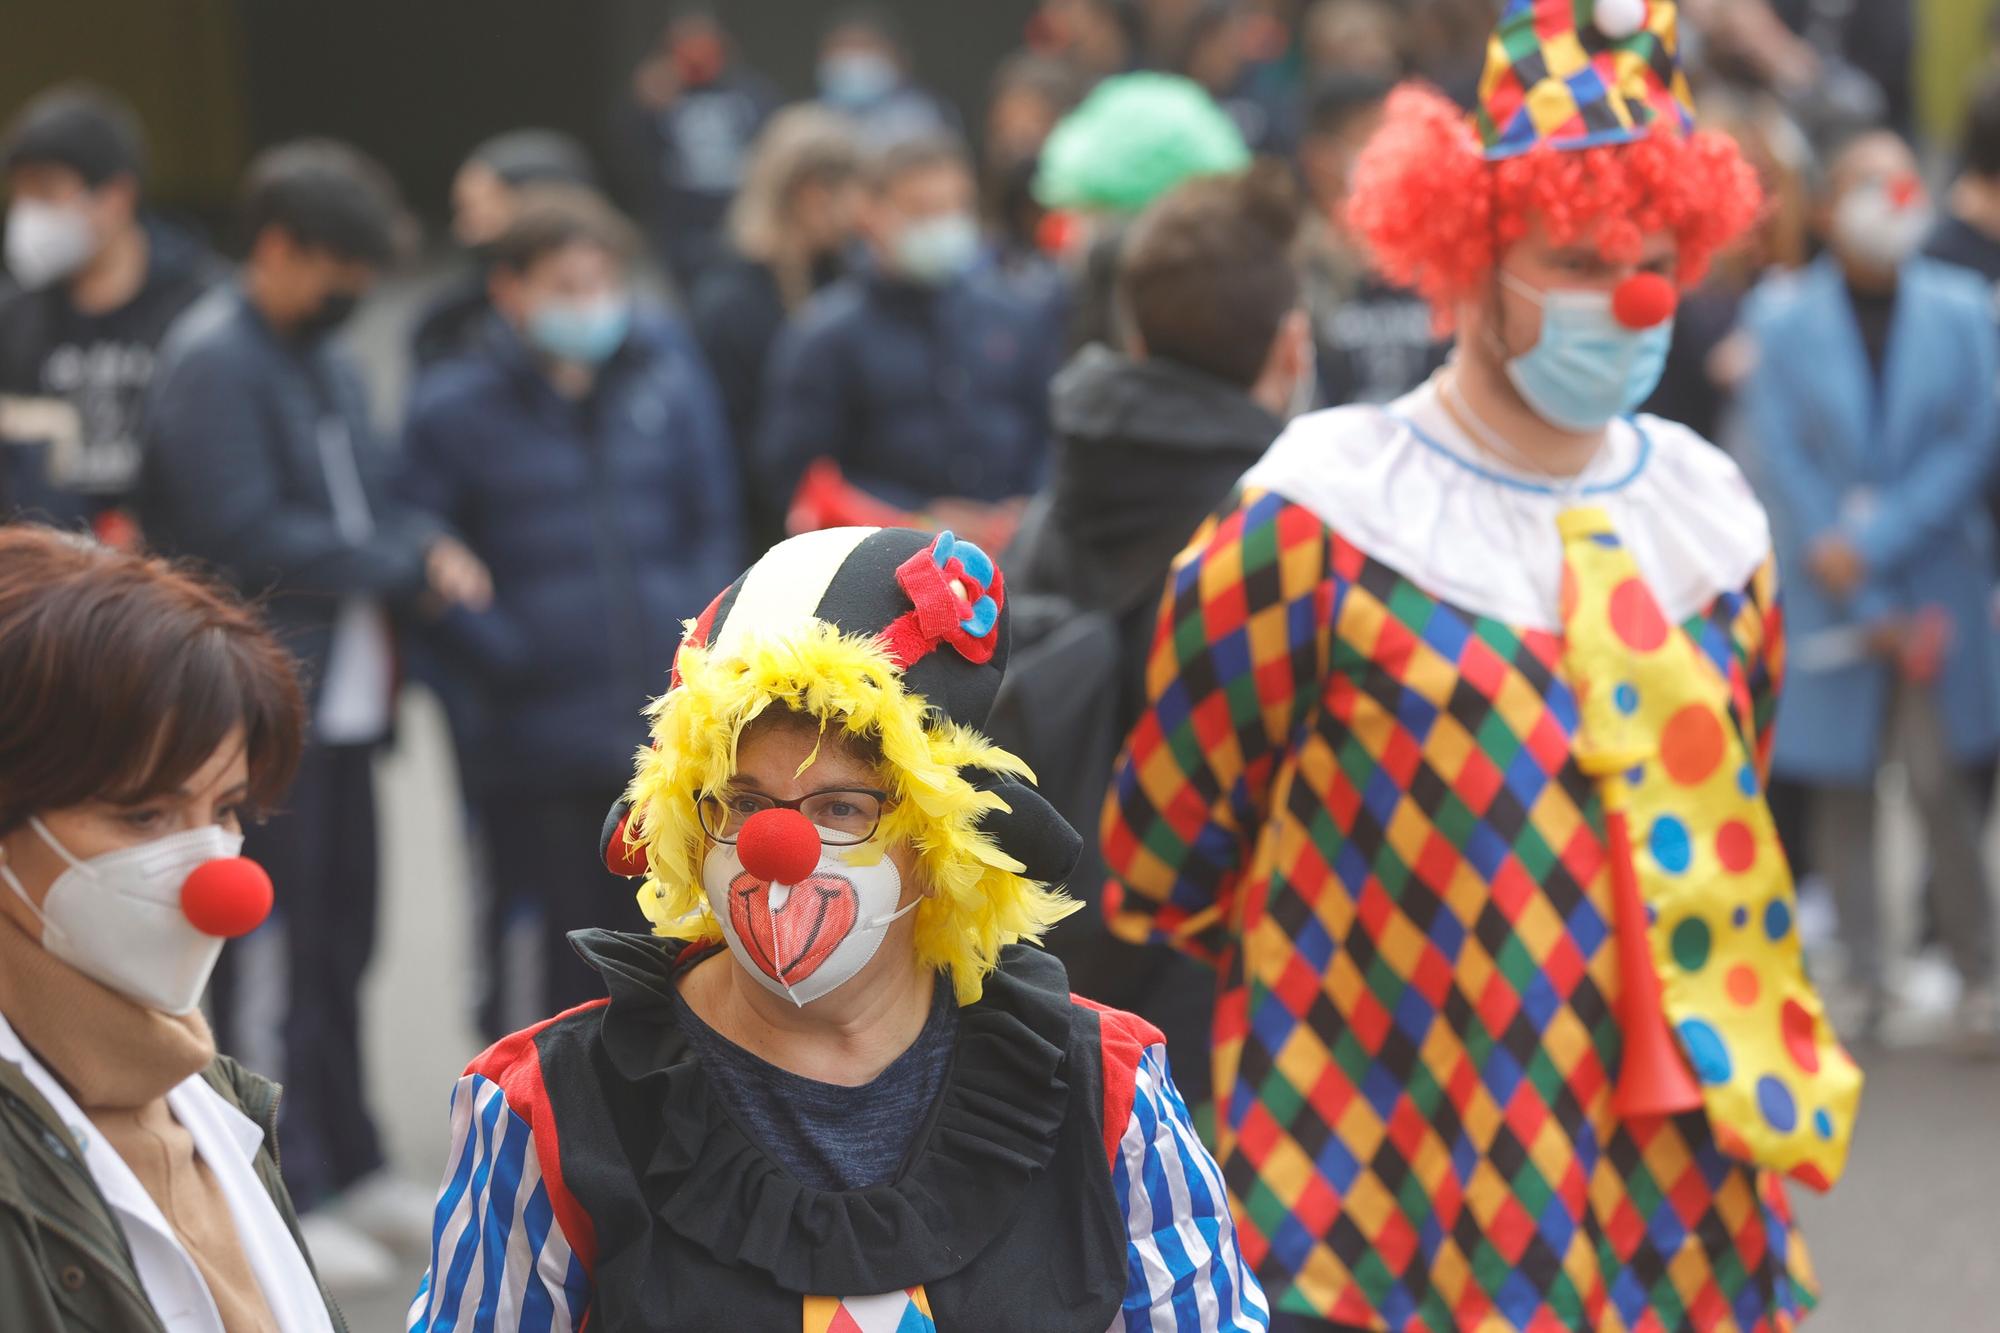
x=553 y=217
x=1206 y=274
x=120 y=675
x=917 y=152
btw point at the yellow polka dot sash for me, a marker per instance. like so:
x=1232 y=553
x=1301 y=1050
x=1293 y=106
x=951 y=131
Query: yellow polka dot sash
x=1689 y=828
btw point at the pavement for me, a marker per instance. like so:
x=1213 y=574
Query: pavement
x=1910 y=1240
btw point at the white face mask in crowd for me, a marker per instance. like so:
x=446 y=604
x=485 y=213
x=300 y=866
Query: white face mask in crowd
x=121 y=918
x=855 y=79
x=800 y=941
x=47 y=242
x=1883 y=222
x=938 y=249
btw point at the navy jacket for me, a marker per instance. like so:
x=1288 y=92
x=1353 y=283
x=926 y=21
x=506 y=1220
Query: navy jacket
x=606 y=522
x=232 y=472
x=918 y=393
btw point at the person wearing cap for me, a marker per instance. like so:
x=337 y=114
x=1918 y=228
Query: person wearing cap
x=1454 y=757
x=139 y=1183
x=837 y=1087
x=101 y=280
x=485 y=194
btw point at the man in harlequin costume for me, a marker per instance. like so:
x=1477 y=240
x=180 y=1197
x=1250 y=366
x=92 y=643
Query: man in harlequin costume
x=836 y=1090
x=1454 y=754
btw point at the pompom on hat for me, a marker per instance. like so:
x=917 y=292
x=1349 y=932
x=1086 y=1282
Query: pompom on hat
x=886 y=634
x=1581 y=74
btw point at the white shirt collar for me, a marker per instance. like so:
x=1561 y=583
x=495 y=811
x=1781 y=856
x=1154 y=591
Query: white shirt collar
x=228 y=1141
x=1411 y=490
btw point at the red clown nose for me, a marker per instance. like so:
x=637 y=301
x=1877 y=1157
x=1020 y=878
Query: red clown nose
x=226 y=898
x=779 y=846
x=1644 y=300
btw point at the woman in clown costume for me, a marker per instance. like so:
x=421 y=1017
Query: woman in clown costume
x=1454 y=754
x=837 y=1090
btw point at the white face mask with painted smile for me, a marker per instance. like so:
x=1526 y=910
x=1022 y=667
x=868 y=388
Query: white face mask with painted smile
x=803 y=940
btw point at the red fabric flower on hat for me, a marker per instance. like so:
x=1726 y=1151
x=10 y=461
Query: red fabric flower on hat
x=957 y=592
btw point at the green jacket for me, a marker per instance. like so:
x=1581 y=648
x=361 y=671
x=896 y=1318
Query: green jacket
x=64 y=1263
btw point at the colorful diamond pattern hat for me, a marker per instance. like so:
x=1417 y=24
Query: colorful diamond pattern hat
x=1581 y=74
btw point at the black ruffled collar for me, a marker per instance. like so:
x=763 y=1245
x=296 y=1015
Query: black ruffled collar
x=991 y=1131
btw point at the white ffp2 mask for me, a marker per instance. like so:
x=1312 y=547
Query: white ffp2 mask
x=802 y=940
x=46 y=242
x=117 y=918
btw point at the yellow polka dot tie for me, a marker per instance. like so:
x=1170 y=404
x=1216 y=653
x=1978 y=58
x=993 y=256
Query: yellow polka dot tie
x=1694 y=852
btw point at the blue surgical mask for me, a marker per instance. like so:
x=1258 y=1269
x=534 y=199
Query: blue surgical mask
x=939 y=249
x=857 y=78
x=586 y=332
x=1586 y=368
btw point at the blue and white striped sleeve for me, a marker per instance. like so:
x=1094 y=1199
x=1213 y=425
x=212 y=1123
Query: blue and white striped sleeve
x=1184 y=1272
x=499 y=1260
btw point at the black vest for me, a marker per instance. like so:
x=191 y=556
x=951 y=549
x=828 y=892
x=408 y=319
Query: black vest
x=1003 y=1210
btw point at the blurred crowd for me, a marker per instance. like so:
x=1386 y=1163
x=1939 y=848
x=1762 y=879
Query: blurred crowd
x=1061 y=326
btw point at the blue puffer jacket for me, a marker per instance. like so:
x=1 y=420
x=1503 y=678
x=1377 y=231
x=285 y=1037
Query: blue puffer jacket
x=605 y=522
x=918 y=393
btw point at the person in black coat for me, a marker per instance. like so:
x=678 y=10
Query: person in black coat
x=924 y=378
x=581 y=452
x=1149 y=440
x=102 y=281
x=259 y=459
x=788 y=233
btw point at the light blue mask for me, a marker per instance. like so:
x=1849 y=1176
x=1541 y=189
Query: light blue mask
x=586 y=333
x=939 y=249
x=1586 y=368
x=857 y=78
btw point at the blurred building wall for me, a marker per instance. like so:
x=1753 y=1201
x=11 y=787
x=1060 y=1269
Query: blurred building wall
x=418 y=82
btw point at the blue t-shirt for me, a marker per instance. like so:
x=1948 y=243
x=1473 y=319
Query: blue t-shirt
x=828 y=1136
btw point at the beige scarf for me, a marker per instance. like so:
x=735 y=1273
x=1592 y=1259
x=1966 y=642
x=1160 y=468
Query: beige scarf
x=119 y=1059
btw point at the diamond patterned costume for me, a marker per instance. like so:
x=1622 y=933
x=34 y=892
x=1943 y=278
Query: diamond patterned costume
x=1356 y=789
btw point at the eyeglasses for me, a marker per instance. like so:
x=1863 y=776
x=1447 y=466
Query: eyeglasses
x=845 y=816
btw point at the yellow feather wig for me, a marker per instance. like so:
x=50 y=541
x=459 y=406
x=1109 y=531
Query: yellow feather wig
x=978 y=901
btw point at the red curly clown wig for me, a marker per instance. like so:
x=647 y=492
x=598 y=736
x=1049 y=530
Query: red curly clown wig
x=1436 y=215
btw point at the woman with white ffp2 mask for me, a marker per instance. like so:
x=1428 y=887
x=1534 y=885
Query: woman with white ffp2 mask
x=147 y=716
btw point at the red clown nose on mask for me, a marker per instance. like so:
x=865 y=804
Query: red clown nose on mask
x=1643 y=301
x=227 y=898
x=778 y=846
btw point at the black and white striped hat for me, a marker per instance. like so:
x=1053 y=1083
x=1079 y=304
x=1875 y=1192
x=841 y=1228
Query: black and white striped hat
x=936 y=604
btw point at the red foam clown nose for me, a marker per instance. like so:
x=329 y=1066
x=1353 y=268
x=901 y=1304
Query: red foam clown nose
x=226 y=898
x=1644 y=300
x=779 y=846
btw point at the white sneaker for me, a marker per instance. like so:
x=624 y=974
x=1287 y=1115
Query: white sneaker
x=389 y=1209
x=348 y=1261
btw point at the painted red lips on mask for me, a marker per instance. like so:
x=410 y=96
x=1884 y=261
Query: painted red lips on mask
x=816 y=917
